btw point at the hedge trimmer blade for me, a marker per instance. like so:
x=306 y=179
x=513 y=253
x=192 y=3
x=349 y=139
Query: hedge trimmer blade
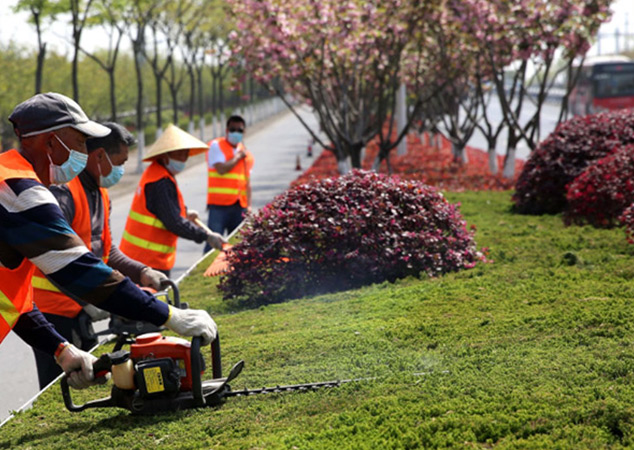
x=292 y=387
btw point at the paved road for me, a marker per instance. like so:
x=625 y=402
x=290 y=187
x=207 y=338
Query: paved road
x=275 y=143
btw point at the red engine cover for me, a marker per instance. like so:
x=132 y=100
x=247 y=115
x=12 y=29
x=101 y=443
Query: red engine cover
x=155 y=345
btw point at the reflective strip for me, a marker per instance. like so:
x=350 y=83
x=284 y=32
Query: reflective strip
x=217 y=190
x=43 y=283
x=147 y=244
x=8 y=311
x=233 y=176
x=147 y=220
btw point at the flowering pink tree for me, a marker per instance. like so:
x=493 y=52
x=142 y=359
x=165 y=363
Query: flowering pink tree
x=521 y=41
x=346 y=59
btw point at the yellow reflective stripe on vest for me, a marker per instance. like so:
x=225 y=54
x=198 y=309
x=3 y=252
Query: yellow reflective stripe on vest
x=147 y=220
x=147 y=244
x=8 y=311
x=217 y=190
x=233 y=176
x=43 y=283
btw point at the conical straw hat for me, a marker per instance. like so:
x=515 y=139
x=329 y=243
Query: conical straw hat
x=172 y=139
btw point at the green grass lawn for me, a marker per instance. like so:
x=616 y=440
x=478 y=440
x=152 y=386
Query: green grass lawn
x=533 y=350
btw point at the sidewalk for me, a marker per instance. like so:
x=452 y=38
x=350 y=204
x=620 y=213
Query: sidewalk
x=275 y=143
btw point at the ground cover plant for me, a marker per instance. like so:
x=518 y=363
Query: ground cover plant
x=564 y=154
x=602 y=192
x=345 y=232
x=435 y=166
x=532 y=351
x=627 y=220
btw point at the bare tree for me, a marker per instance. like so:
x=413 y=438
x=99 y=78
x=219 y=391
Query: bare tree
x=40 y=10
x=109 y=16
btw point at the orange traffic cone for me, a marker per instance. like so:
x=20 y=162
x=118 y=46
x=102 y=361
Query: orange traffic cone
x=298 y=166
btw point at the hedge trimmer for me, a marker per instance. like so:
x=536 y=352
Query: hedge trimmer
x=161 y=373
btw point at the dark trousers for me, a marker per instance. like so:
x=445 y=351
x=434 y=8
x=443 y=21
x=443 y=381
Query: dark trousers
x=224 y=219
x=75 y=333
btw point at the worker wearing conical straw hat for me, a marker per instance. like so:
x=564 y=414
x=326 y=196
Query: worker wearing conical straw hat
x=158 y=215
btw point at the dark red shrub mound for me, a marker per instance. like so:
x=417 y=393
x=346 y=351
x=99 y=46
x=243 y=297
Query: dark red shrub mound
x=341 y=233
x=560 y=158
x=600 y=194
x=627 y=220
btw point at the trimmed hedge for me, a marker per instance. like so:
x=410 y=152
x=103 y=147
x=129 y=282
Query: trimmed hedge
x=345 y=232
x=560 y=158
x=602 y=192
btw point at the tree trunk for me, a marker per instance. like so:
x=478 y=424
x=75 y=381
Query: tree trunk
x=343 y=166
x=75 y=70
x=159 y=102
x=355 y=151
x=509 y=164
x=192 y=93
x=174 y=93
x=113 y=95
x=493 y=161
x=140 y=126
x=459 y=153
x=41 y=52
x=201 y=108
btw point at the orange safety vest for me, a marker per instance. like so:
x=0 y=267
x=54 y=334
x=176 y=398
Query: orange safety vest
x=145 y=238
x=47 y=297
x=232 y=186
x=16 y=293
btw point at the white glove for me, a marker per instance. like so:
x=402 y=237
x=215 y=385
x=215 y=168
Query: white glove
x=192 y=322
x=192 y=215
x=96 y=314
x=216 y=240
x=77 y=365
x=152 y=278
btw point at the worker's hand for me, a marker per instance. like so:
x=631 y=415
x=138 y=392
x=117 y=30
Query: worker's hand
x=96 y=314
x=216 y=240
x=192 y=215
x=77 y=365
x=152 y=278
x=240 y=154
x=192 y=322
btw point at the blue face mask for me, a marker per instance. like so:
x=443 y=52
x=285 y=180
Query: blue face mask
x=73 y=166
x=234 y=137
x=175 y=166
x=113 y=177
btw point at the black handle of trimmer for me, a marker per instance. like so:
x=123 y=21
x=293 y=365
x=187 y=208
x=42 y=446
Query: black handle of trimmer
x=196 y=360
x=176 y=293
x=100 y=368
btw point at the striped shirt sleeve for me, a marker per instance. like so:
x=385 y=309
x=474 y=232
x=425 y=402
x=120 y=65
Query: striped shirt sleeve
x=32 y=225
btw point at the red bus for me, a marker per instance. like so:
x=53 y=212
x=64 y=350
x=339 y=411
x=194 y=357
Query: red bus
x=604 y=83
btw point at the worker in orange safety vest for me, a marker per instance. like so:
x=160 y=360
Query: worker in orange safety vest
x=229 y=166
x=158 y=215
x=86 y=205
x=52 y=130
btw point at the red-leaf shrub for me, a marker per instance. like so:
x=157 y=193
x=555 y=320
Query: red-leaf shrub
x=345 y=232
x=433 y=166
x=600 y=194
x=560 y=158
x=627 y=220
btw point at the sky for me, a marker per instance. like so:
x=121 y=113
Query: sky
x=14 y=26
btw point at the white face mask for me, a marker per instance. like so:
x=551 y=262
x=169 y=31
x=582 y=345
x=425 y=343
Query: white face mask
x=175 y=166
x=72 y=167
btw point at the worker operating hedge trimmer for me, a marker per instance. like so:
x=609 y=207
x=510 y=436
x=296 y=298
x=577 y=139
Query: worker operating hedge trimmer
x=52 y=130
